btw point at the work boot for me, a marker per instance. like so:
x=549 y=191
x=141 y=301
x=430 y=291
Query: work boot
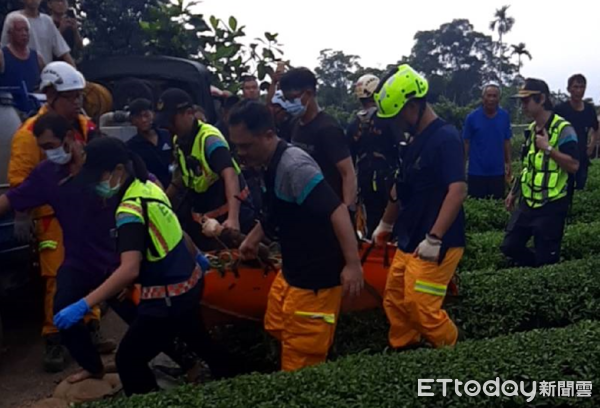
x=103 y=345
x=54 y=355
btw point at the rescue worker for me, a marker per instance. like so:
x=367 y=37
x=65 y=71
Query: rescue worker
x=206 y=170
x=89 y=251
x=63 y=86
x=375 y=153
x=319 y=134
x=428 y=214
x=552 y=155
x=318 y=245
x=156 y=253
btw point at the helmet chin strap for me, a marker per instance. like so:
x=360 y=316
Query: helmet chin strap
x=413 y=129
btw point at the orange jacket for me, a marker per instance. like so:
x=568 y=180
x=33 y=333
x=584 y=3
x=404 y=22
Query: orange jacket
x=25 y=154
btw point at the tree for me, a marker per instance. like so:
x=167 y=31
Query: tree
x=520 y=50
x=337 y=74
x=502 y=24
x=456 y=60
x=6 y=6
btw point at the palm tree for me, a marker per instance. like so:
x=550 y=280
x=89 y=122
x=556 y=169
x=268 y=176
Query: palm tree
x=521 y=50
x=502 y=23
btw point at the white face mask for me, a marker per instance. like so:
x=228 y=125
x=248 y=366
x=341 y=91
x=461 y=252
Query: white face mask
x=58 y=155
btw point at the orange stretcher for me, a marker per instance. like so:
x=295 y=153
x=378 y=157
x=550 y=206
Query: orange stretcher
x=241 y=291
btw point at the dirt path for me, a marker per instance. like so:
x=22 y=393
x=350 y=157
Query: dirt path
x=22 y=378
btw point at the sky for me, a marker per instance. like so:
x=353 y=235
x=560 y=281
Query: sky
x=563 y=39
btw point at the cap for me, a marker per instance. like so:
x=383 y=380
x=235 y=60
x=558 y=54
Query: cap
x=101 y=155
x=533 y=87
x=138 y=106
x=169 y=104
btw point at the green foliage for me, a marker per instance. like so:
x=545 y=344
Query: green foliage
x=453 y=113
x=491 y=215
x=456 y=60
x=483 y=250
x=390 y=379
x=485 y=215
x=6 y=6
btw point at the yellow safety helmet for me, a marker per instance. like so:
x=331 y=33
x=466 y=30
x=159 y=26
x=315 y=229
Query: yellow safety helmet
x=404 y=85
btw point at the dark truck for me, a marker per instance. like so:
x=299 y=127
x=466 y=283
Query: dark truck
x=131 y=77
x=127 y=78
x=17 y=260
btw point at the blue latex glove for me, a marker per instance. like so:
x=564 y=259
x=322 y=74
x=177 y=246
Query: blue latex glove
x=71 y=315
x=203 y=262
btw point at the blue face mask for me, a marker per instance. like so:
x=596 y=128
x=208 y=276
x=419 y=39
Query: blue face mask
x=295 y=107
x=104 y=190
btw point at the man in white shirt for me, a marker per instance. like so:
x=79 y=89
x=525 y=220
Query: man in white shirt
x=44 y=36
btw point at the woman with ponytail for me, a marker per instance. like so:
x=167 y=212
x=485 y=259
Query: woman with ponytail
x=155 y=253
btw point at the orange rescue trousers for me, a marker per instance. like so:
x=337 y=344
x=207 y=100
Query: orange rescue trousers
x=303 y=320
x=413 y=297
x=52 y=252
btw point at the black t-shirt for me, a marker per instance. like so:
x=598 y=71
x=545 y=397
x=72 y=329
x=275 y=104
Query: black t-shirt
x=158 y=158
x=176 y=267
x=69 y=37
x=583 y=121
x=373 y=146
x=323 y=138
x=299 y=204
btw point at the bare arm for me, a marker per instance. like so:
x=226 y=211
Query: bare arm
x=41 y=63
x=342 y=226
x=175 y=187
x=507 y=153
x=392 y=210
x=349 y=187
x=68 y=59
x=457 y=192
x=249 y=247
x=566 y=162
x=232 y=190
x=124 y=276
x=352 y=276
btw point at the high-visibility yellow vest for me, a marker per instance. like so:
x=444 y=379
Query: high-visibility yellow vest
x=149 y=203
x=201 y=177
x=542 y=179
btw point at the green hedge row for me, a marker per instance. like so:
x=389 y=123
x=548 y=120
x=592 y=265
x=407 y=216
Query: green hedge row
x=493 y=303
x=483 y=249
x=391 y=379
x=491 y=215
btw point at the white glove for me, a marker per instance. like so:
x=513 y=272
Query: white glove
x=382 y=233
x=211 y=228
x=429 y=248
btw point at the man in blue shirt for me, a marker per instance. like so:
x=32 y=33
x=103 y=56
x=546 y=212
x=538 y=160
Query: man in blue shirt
x=153 y=145
x=428 y=215
x=487 y=135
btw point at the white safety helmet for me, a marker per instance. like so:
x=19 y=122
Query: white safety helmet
x=366 y=86
x=62 y=76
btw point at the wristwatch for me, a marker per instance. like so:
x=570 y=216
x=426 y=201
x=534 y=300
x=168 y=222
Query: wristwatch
x=548 y=150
